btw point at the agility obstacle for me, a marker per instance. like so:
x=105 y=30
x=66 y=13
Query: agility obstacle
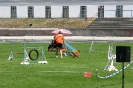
x=70 y=47
x=111 y=57
x=111 y=75
x=74 y=52
x=11 y=56
x=30 y=54
x=33 y=49
x=92 y=46
x=109 y=66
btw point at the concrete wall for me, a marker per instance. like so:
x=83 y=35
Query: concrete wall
x=109 y=10
x=40 y=12
x=74 y=11
x=76 y=32
x=22 y=12
x=92 y=10
x=127 y=12
x=5 y=12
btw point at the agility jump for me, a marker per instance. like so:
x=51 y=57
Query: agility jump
x=30 y=53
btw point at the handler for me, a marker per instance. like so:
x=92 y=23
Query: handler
x=59 y=38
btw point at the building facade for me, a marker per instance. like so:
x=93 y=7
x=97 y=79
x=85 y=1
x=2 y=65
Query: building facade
x=67 y=11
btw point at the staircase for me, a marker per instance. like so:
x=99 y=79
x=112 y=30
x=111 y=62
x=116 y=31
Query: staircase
x=112 y=23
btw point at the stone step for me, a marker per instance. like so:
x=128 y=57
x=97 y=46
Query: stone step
x=112 y=22
x=114 y=19
x=110 y=26
x=116 y=24
x=126 y=24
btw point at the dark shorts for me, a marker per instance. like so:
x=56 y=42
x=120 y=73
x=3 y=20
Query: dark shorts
x=59 y=45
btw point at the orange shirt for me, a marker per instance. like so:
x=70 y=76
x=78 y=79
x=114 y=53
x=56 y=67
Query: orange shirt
x=59 y=38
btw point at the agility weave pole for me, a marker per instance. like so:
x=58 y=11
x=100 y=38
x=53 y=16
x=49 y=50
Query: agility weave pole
x=92 y=46
x=111 y=57
x=11 y=56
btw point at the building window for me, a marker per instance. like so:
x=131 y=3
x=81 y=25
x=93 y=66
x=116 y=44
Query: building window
x=30 y=12
x=101 y=11
x=83 y=12
x=119 y=11
x=65 y=11
x=13 y=12
x=47 y=12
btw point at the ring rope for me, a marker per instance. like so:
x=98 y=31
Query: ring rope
x=108 y=76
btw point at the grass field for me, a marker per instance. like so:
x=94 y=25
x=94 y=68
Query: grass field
x=67 y=72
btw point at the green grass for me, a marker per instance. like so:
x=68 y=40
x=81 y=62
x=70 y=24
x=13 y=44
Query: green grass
x=62 y=73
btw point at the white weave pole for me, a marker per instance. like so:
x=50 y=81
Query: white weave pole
x=11 y=56
x=26 y=57
x=111 y=57
x=111 y=67
x=92 y=46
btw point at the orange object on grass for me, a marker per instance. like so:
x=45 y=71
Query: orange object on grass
x=87 y=74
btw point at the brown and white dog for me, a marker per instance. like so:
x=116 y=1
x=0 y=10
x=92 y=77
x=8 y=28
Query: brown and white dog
x=76 y=54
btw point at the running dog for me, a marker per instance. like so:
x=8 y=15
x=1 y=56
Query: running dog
x=76 y=54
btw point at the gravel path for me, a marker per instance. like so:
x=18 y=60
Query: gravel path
x=67 y=38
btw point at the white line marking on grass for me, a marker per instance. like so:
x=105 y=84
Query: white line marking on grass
x=42 y=71
x=60 y=71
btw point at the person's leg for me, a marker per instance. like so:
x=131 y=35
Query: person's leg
x=60 y=47
x=61 y=53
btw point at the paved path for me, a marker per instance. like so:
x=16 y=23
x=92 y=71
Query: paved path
x=68 y=38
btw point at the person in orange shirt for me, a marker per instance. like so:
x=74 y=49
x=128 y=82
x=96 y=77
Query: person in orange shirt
x=59 y=38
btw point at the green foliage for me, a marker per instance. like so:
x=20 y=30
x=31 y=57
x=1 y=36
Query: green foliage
x=67 y=72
